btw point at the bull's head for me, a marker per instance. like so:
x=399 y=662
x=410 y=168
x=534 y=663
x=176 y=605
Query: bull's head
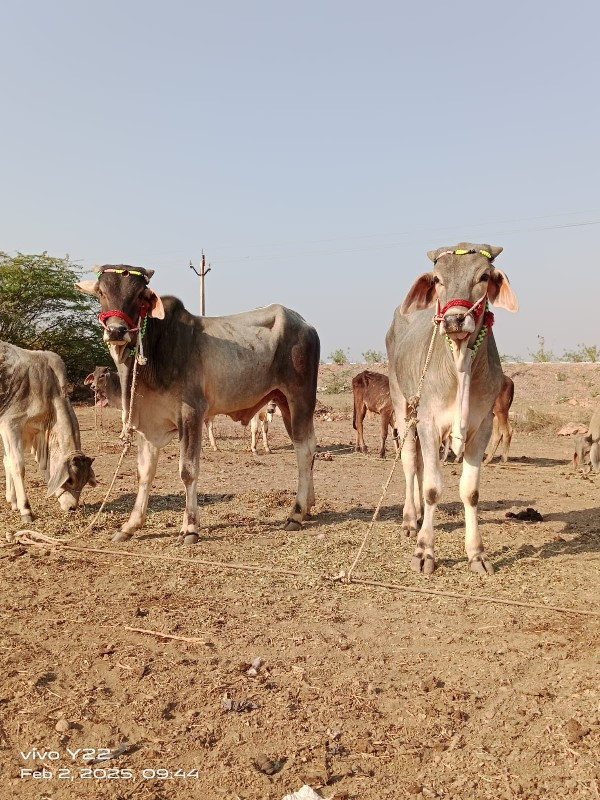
x=125 y=298
x=68 y=477
x=462 y=278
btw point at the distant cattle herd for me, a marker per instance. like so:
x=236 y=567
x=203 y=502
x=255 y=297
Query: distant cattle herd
x=445 y=392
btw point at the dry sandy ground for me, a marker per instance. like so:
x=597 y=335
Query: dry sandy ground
x=361 y=692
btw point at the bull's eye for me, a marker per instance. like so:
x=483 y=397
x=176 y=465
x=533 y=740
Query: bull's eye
x=436 y=279
x=484 y=277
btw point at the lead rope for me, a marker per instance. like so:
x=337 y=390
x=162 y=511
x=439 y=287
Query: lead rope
x=28 y=536
x=411 y=422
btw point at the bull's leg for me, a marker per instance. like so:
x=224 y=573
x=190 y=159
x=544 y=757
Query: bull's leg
x=147 y=460
x=211 y=434
x=494 y=442
x=11 y=495
x=265 y=430
x=14 y=467
x=469 y=494
x=410 y=465
x=385 y=421
x=595 y=456
x=446 y=445
x=189 y=463
x=360 y=412
x=506 y=439
x=304 y=440
x=424 y=555
x=253 y=432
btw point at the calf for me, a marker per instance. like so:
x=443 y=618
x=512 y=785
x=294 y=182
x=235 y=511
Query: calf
x=262 y=418
x=36 y=414
x=371 y=392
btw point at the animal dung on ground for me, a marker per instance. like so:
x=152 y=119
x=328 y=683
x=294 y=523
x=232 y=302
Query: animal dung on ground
x=575 y=730
x=528 y=515
x=267 y=765
x=229 y=704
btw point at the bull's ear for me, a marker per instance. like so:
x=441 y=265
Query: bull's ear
x=92 y=478
x=500 y=293
x=58 y=477
x=89 y=379
x=156 y=307
x=89 y=287
x=420 y=295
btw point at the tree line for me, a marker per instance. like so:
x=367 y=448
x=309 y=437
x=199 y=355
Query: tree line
x=40 y=309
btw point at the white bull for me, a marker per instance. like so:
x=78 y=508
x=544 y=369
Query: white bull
x=460 y=386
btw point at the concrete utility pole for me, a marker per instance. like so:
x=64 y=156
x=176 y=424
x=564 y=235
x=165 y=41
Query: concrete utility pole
x=201 y=274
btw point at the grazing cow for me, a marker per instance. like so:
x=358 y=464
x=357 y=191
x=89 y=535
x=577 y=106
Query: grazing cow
x=371 y=392
x=501 y=427
x=460 y=386
x=193 y=367
x=35 y=413
x=262 y=418
x=106 y=386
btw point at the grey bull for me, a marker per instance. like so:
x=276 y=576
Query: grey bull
x=202 y=366
x=459 y=389
x=36 y=414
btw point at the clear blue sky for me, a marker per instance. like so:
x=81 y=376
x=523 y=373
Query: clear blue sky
x=314 y=150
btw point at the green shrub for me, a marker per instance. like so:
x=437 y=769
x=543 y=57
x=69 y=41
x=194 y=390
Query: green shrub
x=339 y=356
x=584 y=353
x=373 y=356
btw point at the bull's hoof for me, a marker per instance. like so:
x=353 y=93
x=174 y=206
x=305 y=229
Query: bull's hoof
x=189 y=538
x=27 y=519
x=121 y=536
x=424 y=564
x=292 y=525
x=481 y=565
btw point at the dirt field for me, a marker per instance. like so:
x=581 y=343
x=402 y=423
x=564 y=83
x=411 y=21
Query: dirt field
x=361 y=692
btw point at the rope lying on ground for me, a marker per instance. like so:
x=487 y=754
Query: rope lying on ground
x=40 y=540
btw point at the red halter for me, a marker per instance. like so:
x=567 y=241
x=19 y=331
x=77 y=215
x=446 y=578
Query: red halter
x=473 y=308
x=133 y=328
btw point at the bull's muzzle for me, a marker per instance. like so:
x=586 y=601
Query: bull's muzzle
x=116 y=333
x=457 y=323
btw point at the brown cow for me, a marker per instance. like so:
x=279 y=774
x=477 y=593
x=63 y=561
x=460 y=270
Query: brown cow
x=502 y=429
x=371 y=392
